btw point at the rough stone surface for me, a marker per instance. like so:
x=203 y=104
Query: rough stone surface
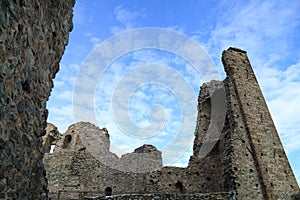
x=247 y=157
x=51 y=137
x=237 y=152
x=81 y=164
x=257 y=166
x=32 y=42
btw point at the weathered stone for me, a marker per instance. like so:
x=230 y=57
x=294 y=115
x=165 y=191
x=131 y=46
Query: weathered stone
x=25 y=85
x=2 y=143
x=50 y=137
x=236 y=155
x=86 y=163
x=146 y=148
x=3 y=17
x=21 y=106
x=26 y=141
x=17 y=163
x=2 y=90
x=257 y=160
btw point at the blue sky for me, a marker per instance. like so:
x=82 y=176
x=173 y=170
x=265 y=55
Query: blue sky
x=268 y=30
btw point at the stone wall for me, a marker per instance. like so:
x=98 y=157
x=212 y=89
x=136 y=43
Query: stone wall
x=32 y=41
x=204 y=173
x=51 y=137
x=237 y=153
x=247 y=158
x=82 y=164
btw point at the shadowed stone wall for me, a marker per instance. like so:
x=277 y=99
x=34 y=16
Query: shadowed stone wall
x=33 y=36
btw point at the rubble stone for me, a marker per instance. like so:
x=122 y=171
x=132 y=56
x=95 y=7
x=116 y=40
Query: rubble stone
x=32 y=41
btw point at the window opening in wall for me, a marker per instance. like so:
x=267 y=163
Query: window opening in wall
x=108 y=191
x=52 y=148
x=179 y=186
x=68 y=138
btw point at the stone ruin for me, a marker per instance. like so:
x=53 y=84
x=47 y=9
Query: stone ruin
x=82 y=164
x=247 y=160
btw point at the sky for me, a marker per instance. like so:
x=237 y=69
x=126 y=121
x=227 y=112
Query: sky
x=144 y=89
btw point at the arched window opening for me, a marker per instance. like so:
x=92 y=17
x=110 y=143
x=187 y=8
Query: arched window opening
x=108 y=191
x=179 y=186
x=67 y=140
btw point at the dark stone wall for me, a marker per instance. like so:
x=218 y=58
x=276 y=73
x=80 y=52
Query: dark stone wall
x=33 y=36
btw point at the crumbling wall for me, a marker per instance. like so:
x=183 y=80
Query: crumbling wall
x=237 y=152
x=247 y=155
x=33 y=36
x=204 y=173
x=82 y=164
x=51 y=137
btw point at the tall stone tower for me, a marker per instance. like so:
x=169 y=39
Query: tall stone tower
x=256 y=166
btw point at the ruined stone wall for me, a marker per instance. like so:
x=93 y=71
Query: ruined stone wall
x=204 y=173
x=207 y=196
x=78 y=173
x=51 y=137
x=257 y=166
x=247 y=157
x=82 y=164
x=33 y=36
x=178 y=180
x=237 y=152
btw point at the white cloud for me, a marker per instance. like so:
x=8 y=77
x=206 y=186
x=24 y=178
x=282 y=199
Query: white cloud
x=82 y=16
x=141 y=89
x=95 y=41
x=61 y=115
x=127 y=18
x=266 y=30
x=282 y=91
x=263 y=28
x=65 y=95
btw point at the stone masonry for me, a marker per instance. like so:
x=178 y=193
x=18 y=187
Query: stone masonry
x=256 y=164
x=237 y=152
x=33 y=36
x=82 y=164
